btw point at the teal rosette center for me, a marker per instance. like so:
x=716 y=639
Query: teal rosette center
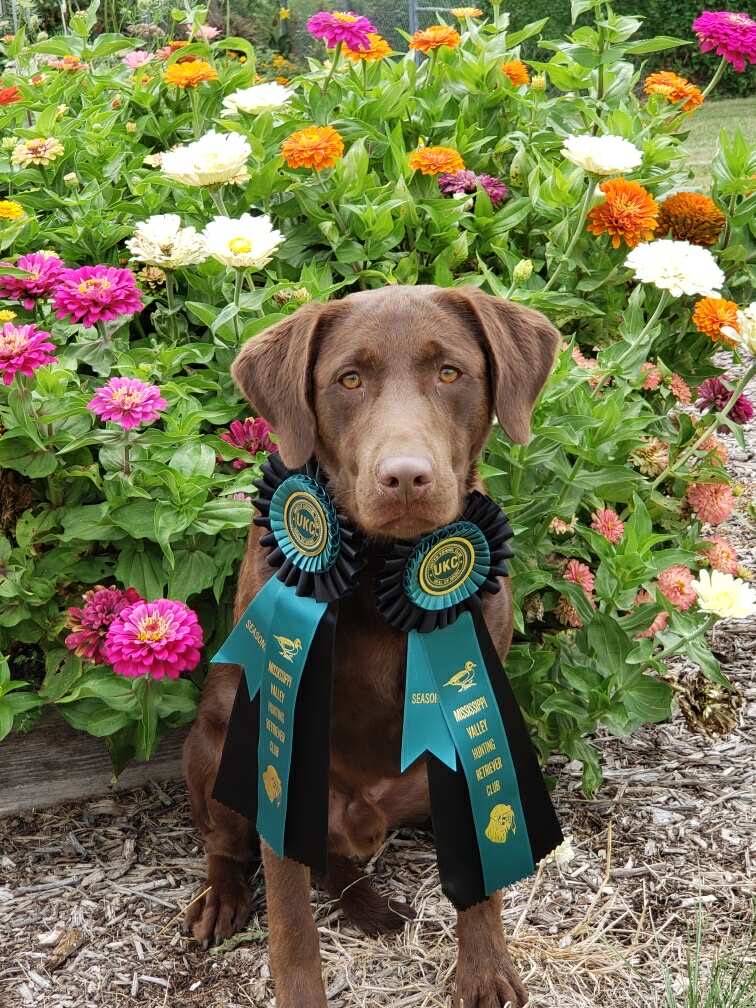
x=447 y=566
x=305 y=524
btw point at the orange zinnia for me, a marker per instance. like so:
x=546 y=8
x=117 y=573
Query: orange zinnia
x=189 y=75
x=435 y=160
x=379 y=49
x=690 y=216
x=313 y=147
x=435 y=37
x=628 y=213
x=516 y=71
x=711 y=313
x=674 y=88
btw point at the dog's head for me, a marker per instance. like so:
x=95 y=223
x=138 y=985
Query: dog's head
x=394 y=390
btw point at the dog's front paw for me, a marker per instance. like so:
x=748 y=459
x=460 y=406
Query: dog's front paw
x=494 y=986
x=224 y=908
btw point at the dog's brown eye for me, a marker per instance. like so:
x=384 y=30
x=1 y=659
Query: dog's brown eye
x=351 y=380
x=448 y=374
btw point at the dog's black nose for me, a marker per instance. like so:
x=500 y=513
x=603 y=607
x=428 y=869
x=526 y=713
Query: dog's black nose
x=405 y=476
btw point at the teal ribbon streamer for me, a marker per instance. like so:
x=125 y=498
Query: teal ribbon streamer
x=465 y=720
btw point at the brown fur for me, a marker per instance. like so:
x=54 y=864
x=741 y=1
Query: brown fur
x=402 y=416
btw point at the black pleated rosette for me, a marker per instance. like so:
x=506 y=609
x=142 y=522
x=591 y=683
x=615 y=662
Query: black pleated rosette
x=400 y=597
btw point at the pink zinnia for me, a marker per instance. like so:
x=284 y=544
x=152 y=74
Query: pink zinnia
x=205 y=32
x=608 y=524
x=680 y=389
x=717 y=447
x=721 y=555
x=712 y=502
x=22 y=350
x=675 y=584
x=43 y=274
x=730 y=35
x=567 y=614
x=90 y=623
x=156 y=639
x=580 y=574
x=335 y=28
x=497 y=191
x=652 y=376
x=128 y=402
x=252 y=435
x=137 y=58
x=660 y=620
x=94 y=294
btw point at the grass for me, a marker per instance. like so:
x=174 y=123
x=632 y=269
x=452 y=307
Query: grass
x=730 y=114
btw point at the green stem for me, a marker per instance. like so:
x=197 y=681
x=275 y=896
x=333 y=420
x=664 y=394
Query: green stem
x=334 y=63
x=228 y=18
x=662 y=304
x=716 y=78
x=217 y=197
x=682 y=641
x=576 y=467
x=365 y=76
x=126 y=457
x=238 y=284
x=582 y=215
x=196 y=113
x=171 y=301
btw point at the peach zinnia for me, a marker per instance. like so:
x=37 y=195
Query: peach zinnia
x=516 y=71
x=712 y=502
x=189 y=75
x=627 y=214
x=313 y=147
x=675 y=586
x=434 y=37
x=435 y=160
x=674 y=88
x=711 y=313
x=690 y=216
x=379 y=49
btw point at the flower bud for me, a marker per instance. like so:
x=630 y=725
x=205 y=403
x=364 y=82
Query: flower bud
x=292 y=295
x=9 y=143
x=538 y=82
x=131 y=127
x=72 y=179
x=523 y=270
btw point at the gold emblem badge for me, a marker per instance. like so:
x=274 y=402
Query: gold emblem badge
x=446 y=566
x=289 y=648
x=463 y=679
x=500 y=822
x=272 y=784
x=306 y=523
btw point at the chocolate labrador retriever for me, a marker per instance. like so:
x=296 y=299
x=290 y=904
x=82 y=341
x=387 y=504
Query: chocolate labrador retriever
x=393 y=391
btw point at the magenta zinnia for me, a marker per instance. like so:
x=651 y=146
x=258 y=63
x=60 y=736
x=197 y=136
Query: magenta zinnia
x=127 y=402
x=465 y=181
x=713 y=396
x=94 y=294
x=43 y=274
x=251 y=435
x=90 y=623
x=22 y=350
x=334 y=28
x=156 y=639
x=732 y=36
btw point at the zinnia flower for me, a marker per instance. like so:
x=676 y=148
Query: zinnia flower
x=168 y=50
x=721 y=555
x=712 y=502
x=337 y=28
x=660 y=620
x=6 y=315
x=713 y=396
x=628 y=213
x=379 y=49
x=743 y=329
x=713 y=446
x=204 y=32
x=94 y=294
x=258 y=98
x=190 y=75
x=69 y=62
x=11 y=210
x=436 y=160
x=465 y=181
x=724 y=595
x=652 y=378
x=90 y=623
x=39 y=152
x=22 y=350
x=680 y=389
x=466 y=12
x=674 y=88
x=559 y=526
x=497 y=191
x=43 y=272
x=731 y=36
x=580 y=574
x=602 y=155
x=313 y=147
x=690 y=216
x=516 y=71
x=136 y=59
x=244 y=243
x=608 y=524
x=675 y=585
x=9 y=95
x=714 y=317
x=161 y=241
x=214 y=159
x=435 y=37
x=677 y=267
x=156 y=639
x=151 y=276
x=651 y=458
x=251 y=435
x=128 y=402
x=567 y=614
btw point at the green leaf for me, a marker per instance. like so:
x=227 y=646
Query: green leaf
x=609 y=643
x=93 y=716
x=6 y=719
x=656 y=44
x=140 y=566
x=21 y=454
x=193 y=571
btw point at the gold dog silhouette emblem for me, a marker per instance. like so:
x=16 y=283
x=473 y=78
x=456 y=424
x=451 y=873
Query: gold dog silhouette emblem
x=288 y=647
x=463 y=679
x=272 y=784
x=500 y=822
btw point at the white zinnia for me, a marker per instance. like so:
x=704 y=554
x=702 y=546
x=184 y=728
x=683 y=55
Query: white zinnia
x=246 y=242
x=258 y=98
x=724 y=595
x=214 y=159
x=602 y=155
x=161 y=241
x=744 y=332
x=677 y=267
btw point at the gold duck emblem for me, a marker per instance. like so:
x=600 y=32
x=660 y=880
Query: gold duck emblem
x=272 y=784
x=463 y=679
x=289 y=648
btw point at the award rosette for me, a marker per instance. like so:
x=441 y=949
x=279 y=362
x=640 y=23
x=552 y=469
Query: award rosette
x=275 y=761
x=492 y=816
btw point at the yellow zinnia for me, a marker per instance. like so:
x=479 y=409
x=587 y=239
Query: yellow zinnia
x=10 y=210
x=189 y=75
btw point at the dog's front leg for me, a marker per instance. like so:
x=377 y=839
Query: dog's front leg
x=486 y=976
x=292 y=935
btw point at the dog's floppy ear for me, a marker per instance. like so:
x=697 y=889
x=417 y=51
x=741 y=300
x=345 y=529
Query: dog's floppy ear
x=274 y=371
x=520 y=345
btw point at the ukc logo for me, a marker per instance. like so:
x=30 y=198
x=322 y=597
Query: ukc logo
x=306 y=523
x=446 y=566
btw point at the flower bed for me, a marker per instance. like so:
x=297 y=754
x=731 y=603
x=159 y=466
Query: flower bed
x=163 y=206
